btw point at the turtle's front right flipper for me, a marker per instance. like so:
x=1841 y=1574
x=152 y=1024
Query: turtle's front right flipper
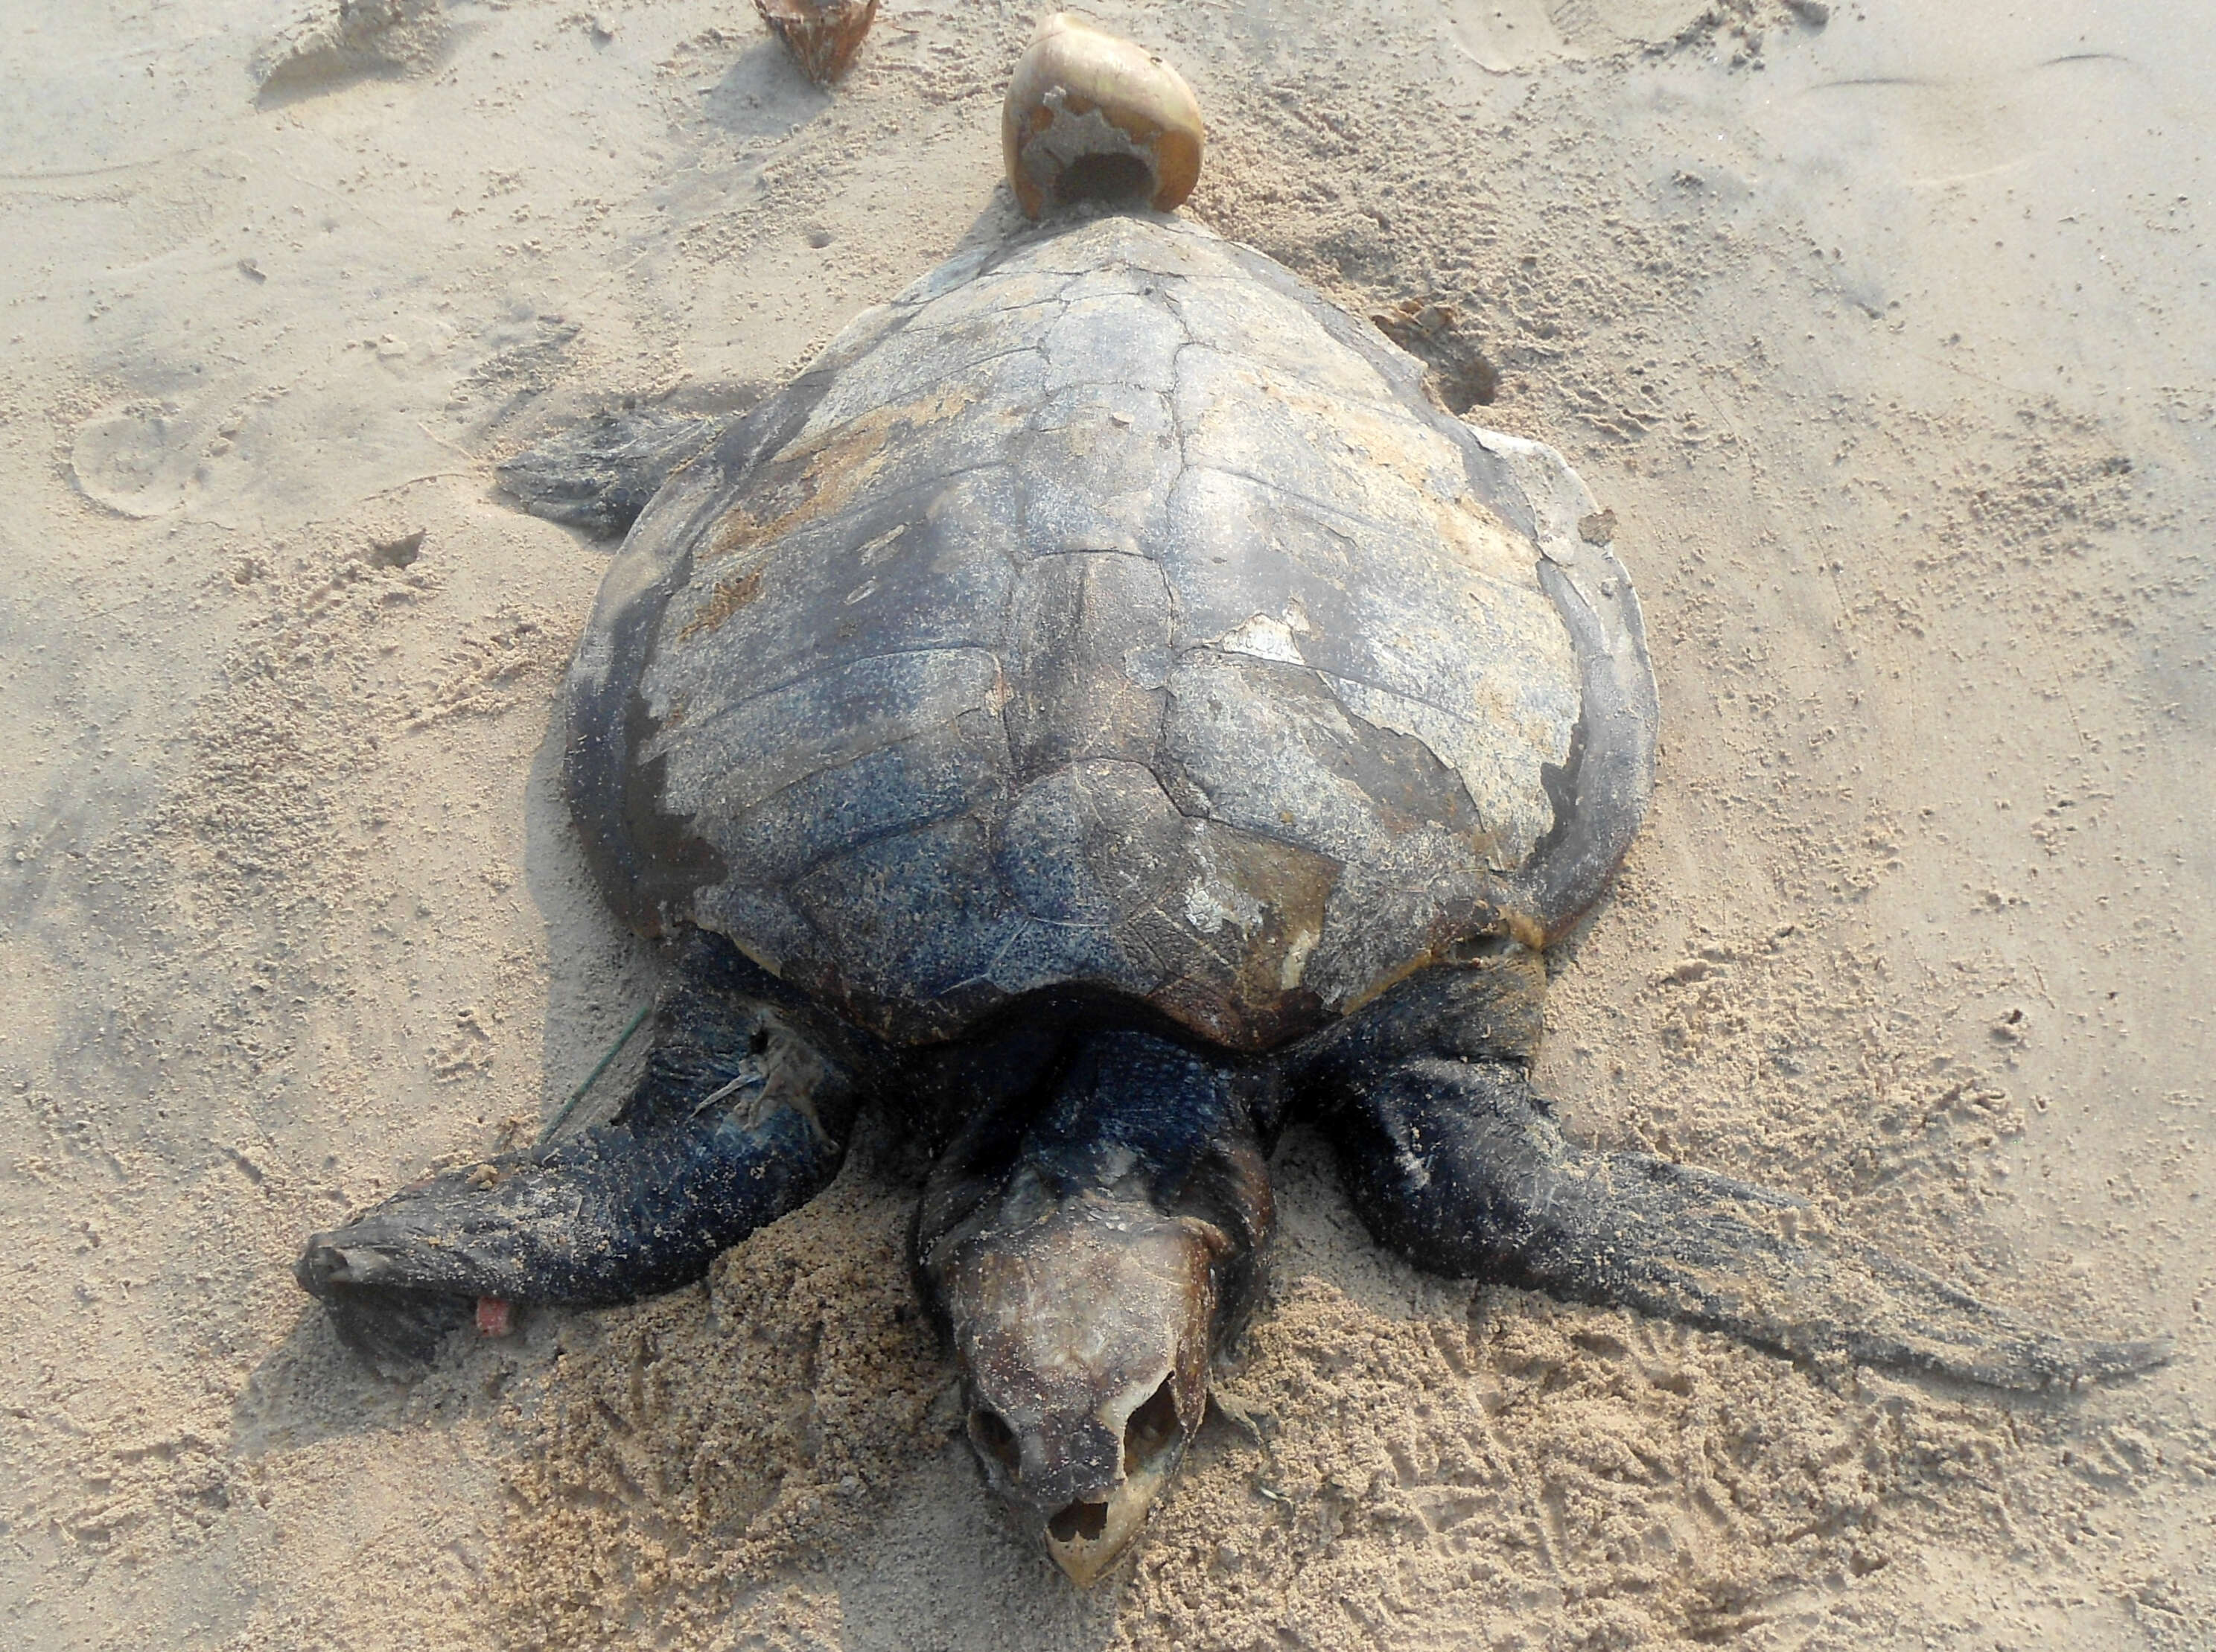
x=740 y=1116
x=1458 y=1165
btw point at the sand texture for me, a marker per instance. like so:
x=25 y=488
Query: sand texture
x=1885 y=333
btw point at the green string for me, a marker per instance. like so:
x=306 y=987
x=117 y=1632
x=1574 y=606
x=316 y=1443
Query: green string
x=592 y=1077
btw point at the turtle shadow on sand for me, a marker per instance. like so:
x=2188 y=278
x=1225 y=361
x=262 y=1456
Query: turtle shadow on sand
x=311 y=1387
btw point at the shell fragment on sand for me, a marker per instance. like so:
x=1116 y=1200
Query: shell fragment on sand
x=822 y=35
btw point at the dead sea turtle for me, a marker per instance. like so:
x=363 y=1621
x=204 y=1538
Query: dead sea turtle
x=1100 y=711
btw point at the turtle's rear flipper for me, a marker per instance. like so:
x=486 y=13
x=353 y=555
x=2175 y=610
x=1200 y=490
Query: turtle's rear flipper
x=1459 y=1165
x=741 y=1116
x=598 y=476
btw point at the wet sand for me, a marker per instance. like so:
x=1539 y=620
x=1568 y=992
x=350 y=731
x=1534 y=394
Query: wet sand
x=1888 y=338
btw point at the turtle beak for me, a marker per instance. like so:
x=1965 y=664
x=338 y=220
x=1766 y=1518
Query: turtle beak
x=1086 y=1537
x=1084 y=1334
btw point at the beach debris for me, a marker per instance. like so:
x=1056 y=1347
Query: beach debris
x=822 y=35
x=1091 y=116
x=337 y=42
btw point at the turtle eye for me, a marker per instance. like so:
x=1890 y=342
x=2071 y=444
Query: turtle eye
x=990 y=1433
x=1151 y=1426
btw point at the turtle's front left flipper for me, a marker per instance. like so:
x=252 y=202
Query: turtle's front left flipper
x=1459 y=1165
x=742 y=1115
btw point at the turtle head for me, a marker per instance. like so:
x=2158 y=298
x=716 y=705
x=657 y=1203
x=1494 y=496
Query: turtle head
x=1086 y=1263
x=1084 y=1336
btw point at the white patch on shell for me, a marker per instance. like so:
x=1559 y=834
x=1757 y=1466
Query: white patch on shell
x=1264 y=638
x=1070 y=137
x=1499 y=774
x=1296 y=958
x=1209 y=907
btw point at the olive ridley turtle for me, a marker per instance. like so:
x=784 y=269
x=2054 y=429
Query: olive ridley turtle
x=1100 y=711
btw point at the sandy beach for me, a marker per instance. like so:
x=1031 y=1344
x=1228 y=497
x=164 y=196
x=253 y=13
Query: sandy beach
x=1886 y=333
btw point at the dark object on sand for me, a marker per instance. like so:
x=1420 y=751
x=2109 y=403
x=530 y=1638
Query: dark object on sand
x=822 y=35
x=1101 y=710
x=1436 y=335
